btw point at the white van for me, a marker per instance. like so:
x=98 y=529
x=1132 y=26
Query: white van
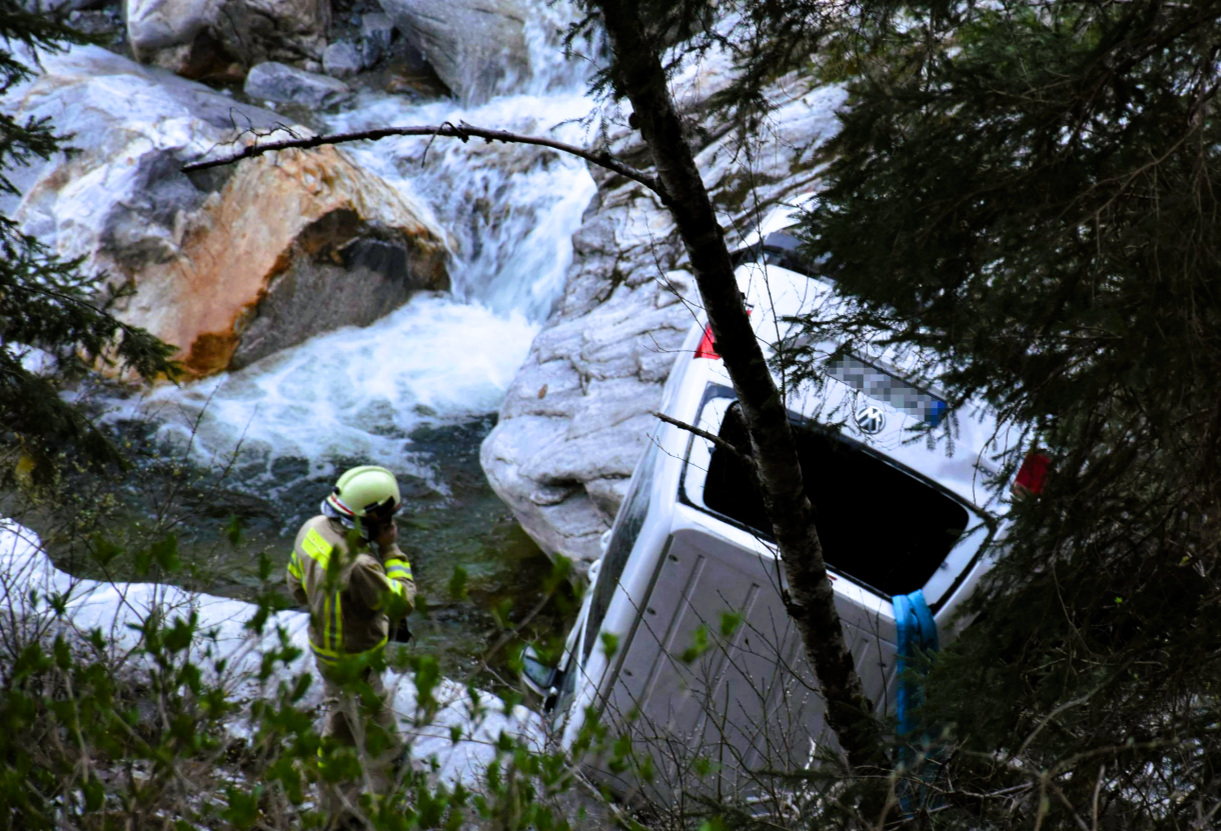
x=683 y=643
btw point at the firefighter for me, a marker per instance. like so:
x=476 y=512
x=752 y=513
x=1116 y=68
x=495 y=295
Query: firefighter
x=347 y=568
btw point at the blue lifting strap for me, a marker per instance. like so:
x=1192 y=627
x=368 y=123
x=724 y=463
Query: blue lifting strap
x=916 y=635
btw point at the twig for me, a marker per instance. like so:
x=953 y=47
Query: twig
x=1102 y=769
x=704 y=434
x=508 y=635
x=463 y=132
x=1056 y=789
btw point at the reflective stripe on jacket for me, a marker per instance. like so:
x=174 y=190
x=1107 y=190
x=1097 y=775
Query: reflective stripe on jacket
x=346 y=593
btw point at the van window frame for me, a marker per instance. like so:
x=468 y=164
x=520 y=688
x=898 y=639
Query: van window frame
x=980 y=519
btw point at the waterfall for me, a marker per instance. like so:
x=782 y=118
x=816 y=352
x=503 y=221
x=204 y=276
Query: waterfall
x=356 y=394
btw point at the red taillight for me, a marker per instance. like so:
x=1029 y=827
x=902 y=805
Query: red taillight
x=707 y=347
x=1032 y=474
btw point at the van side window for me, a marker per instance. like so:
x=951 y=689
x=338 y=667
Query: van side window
x=627 y=527
x=878 y=524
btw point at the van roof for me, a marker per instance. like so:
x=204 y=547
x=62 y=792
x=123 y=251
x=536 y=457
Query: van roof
x=774 y=293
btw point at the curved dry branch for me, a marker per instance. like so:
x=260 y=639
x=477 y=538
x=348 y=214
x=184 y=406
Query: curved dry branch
x=463 y=132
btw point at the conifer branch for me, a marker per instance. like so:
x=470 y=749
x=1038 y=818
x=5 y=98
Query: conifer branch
x=462 y=131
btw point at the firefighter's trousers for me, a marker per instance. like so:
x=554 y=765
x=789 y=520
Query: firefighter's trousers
x=371 y=730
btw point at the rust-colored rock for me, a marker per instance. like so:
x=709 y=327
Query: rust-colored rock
x=296 y=243
x=230 y=264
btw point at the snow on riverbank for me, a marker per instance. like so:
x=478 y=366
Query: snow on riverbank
x=29 y=582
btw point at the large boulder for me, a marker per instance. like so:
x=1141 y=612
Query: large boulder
x=472 y=44
x=284 y=84
x=230 y=264
x=292 y=246
x=201 y=37
x=577 y=417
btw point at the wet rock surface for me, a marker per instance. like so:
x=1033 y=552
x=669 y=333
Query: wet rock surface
x=50 y=6
x=343 y=59
x=376 y=35
x=234 y=258
x=472 y=44
x=279 y=82
x=168 y=32
x=263 y=265
x=98 y=21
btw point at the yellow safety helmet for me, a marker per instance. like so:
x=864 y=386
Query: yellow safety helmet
x=364 y=491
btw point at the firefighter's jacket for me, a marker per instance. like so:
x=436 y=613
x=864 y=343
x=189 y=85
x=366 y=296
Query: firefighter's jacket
x=348 y=594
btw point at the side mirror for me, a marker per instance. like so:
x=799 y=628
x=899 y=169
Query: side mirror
x=538 y=676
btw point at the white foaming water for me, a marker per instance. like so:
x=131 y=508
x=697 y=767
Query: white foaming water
x=357 y=393
x=512 y=207
x=354 y=393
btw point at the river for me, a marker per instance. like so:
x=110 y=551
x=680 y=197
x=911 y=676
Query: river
x=416 y=391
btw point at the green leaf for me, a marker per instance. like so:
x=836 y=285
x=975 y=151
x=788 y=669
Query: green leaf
x=165 y=552
x=95 y=794
x=63 y=655
x=144 y=561
x=501 y=611
x=457 y=584
x=561 y=570
x=610 y=643
x=243 y=810
x=699 y=645
x=456 y=819
x=233 y=530
x=103 y=550
x=427 y=677
x=730 y=621
x=180 y=636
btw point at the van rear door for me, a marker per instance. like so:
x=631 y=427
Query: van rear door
x=714 y=685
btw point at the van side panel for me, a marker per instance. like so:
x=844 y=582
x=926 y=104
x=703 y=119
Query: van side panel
x=714 y=676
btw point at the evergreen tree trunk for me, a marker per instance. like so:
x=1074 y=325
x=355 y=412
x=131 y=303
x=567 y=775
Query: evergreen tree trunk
x=638 y=75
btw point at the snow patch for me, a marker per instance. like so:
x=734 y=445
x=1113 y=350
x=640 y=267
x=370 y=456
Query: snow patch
x=31 y=586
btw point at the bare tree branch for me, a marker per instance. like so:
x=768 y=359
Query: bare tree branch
x=463 y=132
x=704 y=434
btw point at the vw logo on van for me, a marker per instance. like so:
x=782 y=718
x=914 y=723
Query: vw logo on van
x=870 y=419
